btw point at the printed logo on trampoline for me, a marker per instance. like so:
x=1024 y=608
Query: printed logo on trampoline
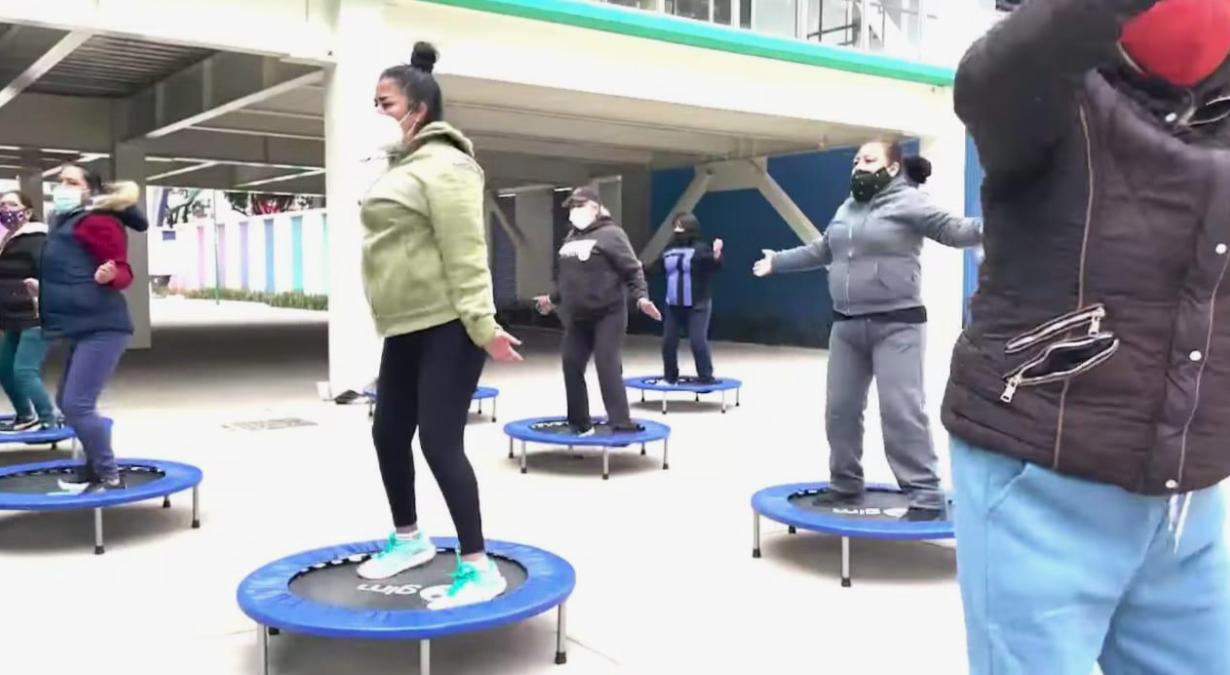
x=428 y=594
x=892 y=512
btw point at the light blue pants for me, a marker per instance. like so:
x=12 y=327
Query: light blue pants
x=1059 y=574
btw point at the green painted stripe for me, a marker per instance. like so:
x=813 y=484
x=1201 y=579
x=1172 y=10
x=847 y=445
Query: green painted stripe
x=666 y=28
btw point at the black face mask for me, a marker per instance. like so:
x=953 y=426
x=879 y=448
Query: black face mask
x=864 y=184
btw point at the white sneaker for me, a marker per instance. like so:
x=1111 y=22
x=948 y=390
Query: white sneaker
x=472 y=584
x=398 y=556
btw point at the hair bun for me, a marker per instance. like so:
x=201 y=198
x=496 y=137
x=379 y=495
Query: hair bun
x=424 y=57
x=917 y=169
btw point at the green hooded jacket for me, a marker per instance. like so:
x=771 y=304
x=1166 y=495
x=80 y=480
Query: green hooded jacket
x=424 y=243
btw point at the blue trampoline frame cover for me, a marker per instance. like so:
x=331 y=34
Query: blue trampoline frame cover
x=177 y=477
x=522 y=430
x=774 y=503
x=42 y=437
x=648 y=383
x=266 y=598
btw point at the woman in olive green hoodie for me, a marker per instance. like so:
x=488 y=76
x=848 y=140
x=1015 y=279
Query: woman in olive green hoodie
x=427 y=281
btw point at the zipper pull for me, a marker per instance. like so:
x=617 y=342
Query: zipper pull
x=1095 y=323
x=1010 y=389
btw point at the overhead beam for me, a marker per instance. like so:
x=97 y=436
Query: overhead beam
x=181 y=171
x=223 y=83
x=687 y=202
x=56 y=53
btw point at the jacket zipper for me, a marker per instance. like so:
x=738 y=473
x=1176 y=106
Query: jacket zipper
x=1092 y=316
x=1080 y=294
x=1017 y=378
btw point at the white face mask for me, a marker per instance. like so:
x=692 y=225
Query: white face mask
x=390 y=129
x=582 y=217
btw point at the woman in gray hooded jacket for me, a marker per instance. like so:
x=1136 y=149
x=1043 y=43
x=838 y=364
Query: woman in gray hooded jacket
x=871 y=250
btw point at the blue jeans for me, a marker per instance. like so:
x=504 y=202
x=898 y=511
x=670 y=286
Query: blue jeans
x=92 y=360
x=1059 y=573
x=696 y=319
x=21 y=374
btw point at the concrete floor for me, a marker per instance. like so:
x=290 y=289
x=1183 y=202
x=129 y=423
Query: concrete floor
x=666 y=580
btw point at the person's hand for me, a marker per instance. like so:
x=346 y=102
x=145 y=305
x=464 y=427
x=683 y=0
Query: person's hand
x=32 y=287
x=501 y=347
x=649 y=309
x=717 y=248
x=764 y=266
x=106 y=273
x=544 y=305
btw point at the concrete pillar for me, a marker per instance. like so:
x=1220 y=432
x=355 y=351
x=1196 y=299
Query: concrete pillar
x=636 y=197
x=943 y=276
x=31 y=181
x=354 y=347
x=128 y=163
x=536 y=258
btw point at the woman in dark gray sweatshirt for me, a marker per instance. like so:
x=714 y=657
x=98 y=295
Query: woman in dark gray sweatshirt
x=871 y=250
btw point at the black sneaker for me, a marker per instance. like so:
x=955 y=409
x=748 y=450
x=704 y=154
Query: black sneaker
x=709 y=379
x=833 y=499
x=671 y=380
x=18 y=426
x=629 y=428
x=920 y=515
x=108 y=485
x=81 y=477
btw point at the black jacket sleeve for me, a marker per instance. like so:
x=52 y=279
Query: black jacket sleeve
x=619 y=250
x=1016 y=87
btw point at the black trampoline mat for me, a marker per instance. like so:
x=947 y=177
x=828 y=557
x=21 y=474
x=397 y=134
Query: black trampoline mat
x=338 y=583
x=565 y=429
x=874 y=505
x=46 y=481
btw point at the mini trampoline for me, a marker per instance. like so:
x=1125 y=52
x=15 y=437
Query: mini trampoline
x=34 y=487
x=50 y=437
x=481 y=394
x=556 y=431
x=877 y=516
x=687 y=385
x=319 y=593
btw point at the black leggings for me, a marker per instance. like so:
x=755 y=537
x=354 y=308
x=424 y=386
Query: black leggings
x=427 y=379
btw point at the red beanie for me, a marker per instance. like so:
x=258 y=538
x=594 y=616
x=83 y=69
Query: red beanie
x=1180 y=41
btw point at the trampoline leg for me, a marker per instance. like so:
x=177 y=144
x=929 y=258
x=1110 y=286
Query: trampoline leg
x=738 y=394
x=425 y=657
x=510 y=447
x=524 y=468
x=791 y=530
x=643 y=450
x=196 y=508
x=845 y=562
x=642 y=396
x=723 y=401
x=495 y=404
x=606 y=463
x=561 y=635
x=755 y=534
x=166 y=502
x=663 y=403
x=666 y=450
x=698 y=398
x=99 y=549
x=264 y=640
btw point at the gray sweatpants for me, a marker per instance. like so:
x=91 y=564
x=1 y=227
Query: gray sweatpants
x=892 y=353
x=602 y=338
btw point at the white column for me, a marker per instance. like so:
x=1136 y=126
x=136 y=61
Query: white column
x=535 y=259
x=128 y=163
x=943 y=276
x=354 y=347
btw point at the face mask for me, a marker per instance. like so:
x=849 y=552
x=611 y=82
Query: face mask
x=12 y=218
x=391 y=130
x=1180 y=41
x=866 y=184
x=67 y=199
x=582 y=217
